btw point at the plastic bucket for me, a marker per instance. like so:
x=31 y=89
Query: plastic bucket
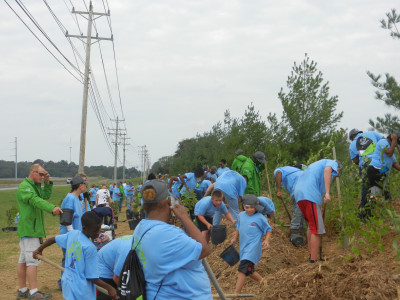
x=66 y=216
x=230 y=255
x=133 y=224
x=218 y=234
x=129 y=215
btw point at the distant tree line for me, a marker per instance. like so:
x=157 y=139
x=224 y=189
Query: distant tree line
x=63 y=169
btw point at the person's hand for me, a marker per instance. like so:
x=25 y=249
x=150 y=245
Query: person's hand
x=46 y=177
x=57 y=211
x=209 y=226
x=112 y=293
x=180 y=211
x=170 y=190
x=36 y=252
x=234 y=222
x=279 y=195
x=393 y=137
x=327 y=198
x=265 y=244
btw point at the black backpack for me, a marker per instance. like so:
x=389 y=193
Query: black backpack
x=131 y=283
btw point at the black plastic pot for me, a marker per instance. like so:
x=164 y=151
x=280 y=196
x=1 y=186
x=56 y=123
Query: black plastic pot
x=230 y=255
x=218 y=234
x=66 y=216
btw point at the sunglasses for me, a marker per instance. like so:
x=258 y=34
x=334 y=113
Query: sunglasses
x=40 y=174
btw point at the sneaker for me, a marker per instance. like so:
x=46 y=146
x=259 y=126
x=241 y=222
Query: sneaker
x=23 y=295
x=40 y=295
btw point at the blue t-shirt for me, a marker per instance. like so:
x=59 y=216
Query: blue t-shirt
x=311 y=185
x=209 y=176
x=111 y=187
x=374 y=136
x=290 y=175
x=93 y=192
x=116 y=191
x=268 y=205
x=207 y=208
x=251 y=230
x=191 y=182
x=380 y=159
x=203 y=186
x=231 y=183
x=113 y=255
x=170 y=256
x=175 y=188
x=220 y=171
x=127 y=188
x=72 y=202
x=80 y=265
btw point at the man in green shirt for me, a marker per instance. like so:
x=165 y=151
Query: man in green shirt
x=31 y=204
x=238 y=161
x=251 y=169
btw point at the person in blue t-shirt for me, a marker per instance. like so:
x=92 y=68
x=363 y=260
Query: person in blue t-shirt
x=222 y=167
x=205 y=209
x=362 y=148
x=232 y=185
x=311 y=187
x=111 y=259
x=80 y=274
x=171 y=258
x=383 y=159
x=287 y=177
x=212 y=173
x=71 y=201
x=111 y=188
x=92 y=192
x=250 y=228
x=201 y=188
x=116 y=196
x=129 y=191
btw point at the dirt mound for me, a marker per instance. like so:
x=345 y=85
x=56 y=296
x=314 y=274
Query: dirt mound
x=289 y=275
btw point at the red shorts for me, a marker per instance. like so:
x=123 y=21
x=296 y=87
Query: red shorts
x=313 y=216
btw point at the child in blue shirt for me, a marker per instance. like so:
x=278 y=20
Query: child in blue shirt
x=251 y=226
x=80 y=274
x=205 y=209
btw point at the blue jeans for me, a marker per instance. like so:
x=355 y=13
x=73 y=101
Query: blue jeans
x=233 y=209
x=297 y=217
x=129 y=200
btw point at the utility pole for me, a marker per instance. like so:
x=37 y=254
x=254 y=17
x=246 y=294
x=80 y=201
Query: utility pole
x=123 y=161
x=116 y=143
x=89 y=38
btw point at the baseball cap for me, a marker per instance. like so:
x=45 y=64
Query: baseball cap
x=78 y=180
x=252 y=200
x=159 y=187
x=260 y=156
x=239 y=152
x=214 y=168
x=354 y=131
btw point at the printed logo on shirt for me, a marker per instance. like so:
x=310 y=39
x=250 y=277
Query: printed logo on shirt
x=28 y=190
x=140 y=253
x=252 y=224
x=75 y=252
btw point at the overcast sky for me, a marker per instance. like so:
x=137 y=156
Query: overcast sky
x=181 y=64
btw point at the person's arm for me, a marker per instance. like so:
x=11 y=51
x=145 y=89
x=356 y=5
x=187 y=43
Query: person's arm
x=171 y=181
x=209 y=190
x=389 y=152
x=182 y=178
x=327 y=182
x=265 y=243
x=111 y=291
x=229 y=217
x=97 y=200
x=396 y=166
x=110 y=201
x=204 y=221
x=278 y=181
x=235 y=237
x=116 y=279
x=192 y=231
x=46 y=244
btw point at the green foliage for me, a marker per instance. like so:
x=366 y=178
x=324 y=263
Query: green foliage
x=309 y=117
x=11 y=213
x=388 y=90
x=188 y=199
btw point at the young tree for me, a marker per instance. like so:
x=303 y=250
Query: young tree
x=309 y=116
x=388 y=89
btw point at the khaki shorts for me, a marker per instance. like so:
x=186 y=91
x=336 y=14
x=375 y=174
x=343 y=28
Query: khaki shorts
x=28 y=245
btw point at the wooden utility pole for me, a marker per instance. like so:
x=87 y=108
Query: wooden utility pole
x=89 y=38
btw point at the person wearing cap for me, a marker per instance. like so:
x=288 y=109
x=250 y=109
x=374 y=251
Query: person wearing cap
x=222 y=167
x=129 y=191
x=287 y=177
x=251 y=169
x=250 y=228
x=116 y=195
x=313 y=185
x=170 y=257
x=32 y=201
x=71 y=201
x=361 y=150
x=232 y=185
x=238 y=161
x=383 y=160
x=92 y=192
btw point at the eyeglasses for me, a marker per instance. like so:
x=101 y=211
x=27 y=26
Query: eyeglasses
x=40 y=174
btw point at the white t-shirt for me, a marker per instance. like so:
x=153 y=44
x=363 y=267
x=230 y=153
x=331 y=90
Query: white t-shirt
x=104 y=195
